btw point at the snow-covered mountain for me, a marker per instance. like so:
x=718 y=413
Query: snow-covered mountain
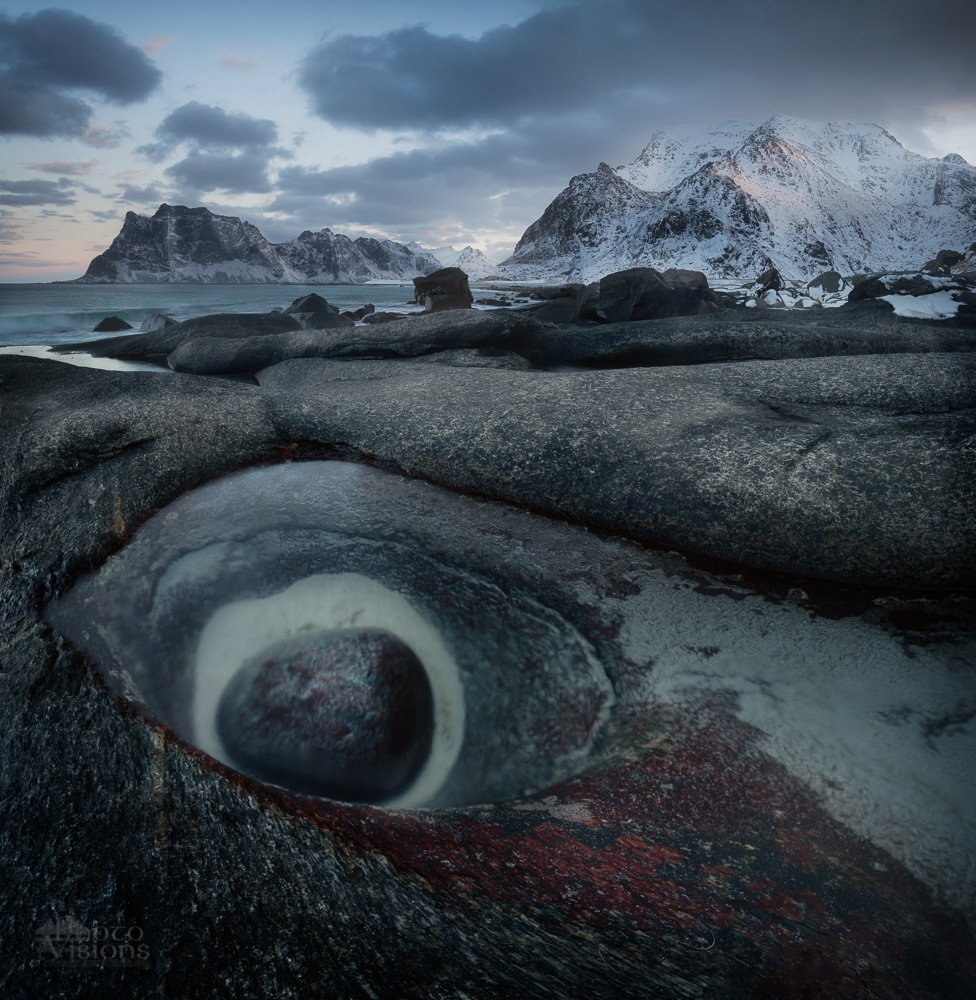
x=194 y=244
x=733 y=200
x=473 y=262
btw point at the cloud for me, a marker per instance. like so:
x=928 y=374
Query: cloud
x=103 y=137
x=223 y=150
x=76 y=168
x=239 y=173
x=462 y=190
x=210 y=126
x=735 y=58
x=47 y=57
x=240 y=64
x=9 y=232
x=35 y=192
x=158 y=43
x=140 y=195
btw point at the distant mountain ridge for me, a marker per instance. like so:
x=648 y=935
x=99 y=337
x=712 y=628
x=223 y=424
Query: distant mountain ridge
x=735 y=199
x=471 y=260
x=195 y=245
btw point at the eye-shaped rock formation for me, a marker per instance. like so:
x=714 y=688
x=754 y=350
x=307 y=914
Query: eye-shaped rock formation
x=710 y=781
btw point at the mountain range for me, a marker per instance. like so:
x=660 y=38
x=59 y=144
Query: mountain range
x=738 y=198
x=195 y=245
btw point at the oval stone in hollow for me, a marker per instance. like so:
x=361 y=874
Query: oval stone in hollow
x=346 y=714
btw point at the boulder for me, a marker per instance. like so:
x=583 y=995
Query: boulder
x=948 y=258
x=643 y=293
x=342 y=713
x=769 y=280
x=312 y=312
x=111 y=324
x=156 y=321
x=830 y=282
x=443 y=289
x=561 y=304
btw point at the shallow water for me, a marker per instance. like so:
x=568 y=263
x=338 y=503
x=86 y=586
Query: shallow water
x=58 y=314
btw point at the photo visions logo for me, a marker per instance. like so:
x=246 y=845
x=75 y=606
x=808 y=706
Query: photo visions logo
x=70 y=943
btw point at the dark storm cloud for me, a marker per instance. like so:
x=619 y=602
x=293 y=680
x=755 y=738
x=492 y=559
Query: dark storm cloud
x=224 y=150
x=45 y=58
x=32 y=192
x=210 y=126
x=745 y=58
x=503 y=180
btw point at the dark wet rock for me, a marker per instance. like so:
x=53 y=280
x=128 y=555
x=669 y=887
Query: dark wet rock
x=829 y=281
x=769 y=281
x=156 y=321
x=639 y=293
x=443 y=289
x=562 y=304
x=312 y=312
x=685 y=803
x=948 y=258
x=111 y=324
x=419 y=335
x=156 y=346
x=750 y=335
x=346 y=714
x=361 y=313
x=385 y=317
x=643 y=293
x=499 y=302
x=887 y=284
x=765 y=463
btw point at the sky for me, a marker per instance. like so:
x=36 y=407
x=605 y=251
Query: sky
x=441 y=122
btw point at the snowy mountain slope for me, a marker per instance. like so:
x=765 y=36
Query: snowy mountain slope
x=194 y=244
x=736 y=199
x=472 y=261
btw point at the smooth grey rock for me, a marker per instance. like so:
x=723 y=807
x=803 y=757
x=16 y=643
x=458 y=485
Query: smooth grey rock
x=848 y=468
x=422 y=334
x=750 y=335
x=384 y=317
x=156 y=321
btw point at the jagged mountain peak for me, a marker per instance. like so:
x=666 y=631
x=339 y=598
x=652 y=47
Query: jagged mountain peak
x=178 y=243
x=737 y=197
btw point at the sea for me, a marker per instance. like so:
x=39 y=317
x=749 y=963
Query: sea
x=41 y=315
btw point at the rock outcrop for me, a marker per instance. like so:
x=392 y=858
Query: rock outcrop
x=444 y=289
